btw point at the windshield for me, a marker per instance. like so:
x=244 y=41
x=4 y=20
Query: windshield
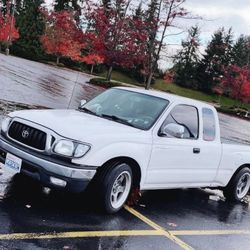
x=127 y=107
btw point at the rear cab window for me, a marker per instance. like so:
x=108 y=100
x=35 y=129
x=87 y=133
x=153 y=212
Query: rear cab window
x=209 y=128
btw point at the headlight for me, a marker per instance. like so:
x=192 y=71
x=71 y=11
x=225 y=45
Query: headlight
x=5 y=124
x=64 y=147
x=71 y=149
x=81 y=150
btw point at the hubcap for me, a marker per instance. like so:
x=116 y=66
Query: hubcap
x=243 y=185
x=120 y=189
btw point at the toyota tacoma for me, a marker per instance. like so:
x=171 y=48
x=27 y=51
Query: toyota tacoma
x=122 y=139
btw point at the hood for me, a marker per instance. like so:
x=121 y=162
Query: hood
x=75 y=124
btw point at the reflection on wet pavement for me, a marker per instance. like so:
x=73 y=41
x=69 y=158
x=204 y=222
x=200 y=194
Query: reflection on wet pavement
x=29 y=207
x=35 y=83
x=196 y=210
x=5 y=182
x=234 y=129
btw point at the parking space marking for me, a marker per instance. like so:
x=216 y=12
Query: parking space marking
x=158 y=231
x=158 y=228
x=80 y=234
x=210 y=232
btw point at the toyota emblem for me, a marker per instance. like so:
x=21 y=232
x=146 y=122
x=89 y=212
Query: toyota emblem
x=25 y=134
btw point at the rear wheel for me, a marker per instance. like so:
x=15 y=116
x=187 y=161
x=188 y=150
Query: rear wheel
x=115 y=187
x=239 y=186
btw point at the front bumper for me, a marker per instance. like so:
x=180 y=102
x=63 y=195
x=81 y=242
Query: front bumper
x=76 y=177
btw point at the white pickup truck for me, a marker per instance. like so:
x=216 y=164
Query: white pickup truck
x=125 y=138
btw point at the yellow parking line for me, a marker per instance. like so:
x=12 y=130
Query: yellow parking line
x=159 y=231
x=209 y=232
x=158 y=228
x=81 y=234
x=116 y=233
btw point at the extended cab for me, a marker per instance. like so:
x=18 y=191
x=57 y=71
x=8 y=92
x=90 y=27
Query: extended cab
x=125 y=138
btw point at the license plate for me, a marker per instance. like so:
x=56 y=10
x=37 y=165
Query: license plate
x=12 y=164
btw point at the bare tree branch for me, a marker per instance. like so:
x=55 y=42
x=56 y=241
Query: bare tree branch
x=175 y=34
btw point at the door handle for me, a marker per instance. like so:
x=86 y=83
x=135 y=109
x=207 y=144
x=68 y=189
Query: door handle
x=196 y=150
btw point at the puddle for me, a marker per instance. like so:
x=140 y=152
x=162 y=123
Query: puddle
x=5 y=183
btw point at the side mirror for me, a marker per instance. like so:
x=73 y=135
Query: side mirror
x=82 y=102
x=174 y=130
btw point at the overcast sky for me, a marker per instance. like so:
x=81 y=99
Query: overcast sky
x=215 y=14
x=227 y=13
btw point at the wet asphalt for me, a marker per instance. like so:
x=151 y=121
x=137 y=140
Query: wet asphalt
x=28 y=209
x=25 y=207
x=33 y=83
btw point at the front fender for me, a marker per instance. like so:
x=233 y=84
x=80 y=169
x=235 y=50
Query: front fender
x=141 y=153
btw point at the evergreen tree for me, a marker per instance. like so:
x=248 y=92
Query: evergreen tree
x=152 y=19
x=187 y=59
x=152 y=11
x=139 y=14
x=138 y=71
x=241 y=51
x=30 y=24
x=71 y=5
x=4 y=5
x=107 y=6
x=218 y=55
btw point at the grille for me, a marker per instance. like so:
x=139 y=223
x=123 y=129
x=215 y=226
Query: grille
x=27 y=135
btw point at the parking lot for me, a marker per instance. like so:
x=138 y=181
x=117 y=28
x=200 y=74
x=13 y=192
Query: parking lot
x=34 y=218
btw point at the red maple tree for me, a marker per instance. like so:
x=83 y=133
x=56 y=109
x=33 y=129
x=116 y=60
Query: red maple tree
x=62 y=37
x=93 y=59
x=8 y=30
x=117 y=36
x=168 y=77
x=236 y=83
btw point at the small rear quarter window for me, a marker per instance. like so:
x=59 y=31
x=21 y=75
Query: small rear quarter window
x=209 y=130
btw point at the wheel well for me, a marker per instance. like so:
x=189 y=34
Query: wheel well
x=135 y=167
x=238 y=170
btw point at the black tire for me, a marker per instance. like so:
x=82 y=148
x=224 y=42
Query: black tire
x=106 y=182
x=230 y=192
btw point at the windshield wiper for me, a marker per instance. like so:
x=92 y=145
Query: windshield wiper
x=110 y=117
x=88 y=111
x=118 y=119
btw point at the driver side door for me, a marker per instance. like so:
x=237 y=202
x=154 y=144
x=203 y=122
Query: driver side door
x=178 y=162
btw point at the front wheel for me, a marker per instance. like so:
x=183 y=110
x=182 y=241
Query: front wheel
x=239 y=186
x=115 y=187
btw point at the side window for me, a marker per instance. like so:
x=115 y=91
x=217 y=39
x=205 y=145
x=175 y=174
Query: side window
x=208 y=124
x=185 y=116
